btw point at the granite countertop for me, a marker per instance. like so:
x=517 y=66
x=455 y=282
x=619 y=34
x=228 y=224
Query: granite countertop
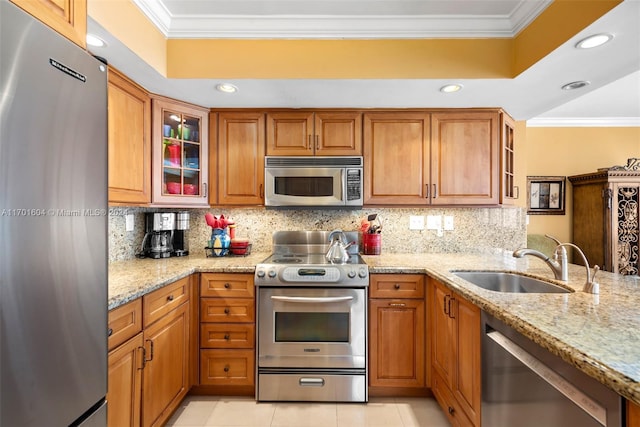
x=599 y=334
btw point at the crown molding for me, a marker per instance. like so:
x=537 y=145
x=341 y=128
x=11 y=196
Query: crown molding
x=584 y=122
x=337 y=27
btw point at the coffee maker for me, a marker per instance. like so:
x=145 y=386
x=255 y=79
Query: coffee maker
x=181 y=235
x=158 y=240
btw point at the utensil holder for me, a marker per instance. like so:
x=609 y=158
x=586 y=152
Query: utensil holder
x=371 y=243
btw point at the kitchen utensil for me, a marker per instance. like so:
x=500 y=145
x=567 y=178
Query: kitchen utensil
x=211 y=221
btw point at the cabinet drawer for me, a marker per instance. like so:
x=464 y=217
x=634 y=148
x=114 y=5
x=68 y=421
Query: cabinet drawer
x=396 y=286
x=227 y=335
x=124 y=322
x=160 y=302
x=227 y=367
x=447 y=402
x=227 y=310
x=227 y=285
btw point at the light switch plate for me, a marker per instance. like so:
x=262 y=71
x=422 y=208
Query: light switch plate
x=128 y=222
x=416 y=222
x=434 y=222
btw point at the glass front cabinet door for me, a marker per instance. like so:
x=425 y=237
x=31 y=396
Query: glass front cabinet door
x=180 y=154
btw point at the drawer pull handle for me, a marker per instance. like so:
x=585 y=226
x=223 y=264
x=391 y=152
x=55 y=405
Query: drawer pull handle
x=227 y=285
x=110 y=332
x=226 y=310
x=226 y=368
x=397 y=304
x=170 y=298
x=397 y=286
x=227 y=337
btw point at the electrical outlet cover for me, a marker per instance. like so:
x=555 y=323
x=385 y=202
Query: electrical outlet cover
x=128 y=222
x=416 y=222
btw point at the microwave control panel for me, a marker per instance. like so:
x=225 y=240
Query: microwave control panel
x=354 y=184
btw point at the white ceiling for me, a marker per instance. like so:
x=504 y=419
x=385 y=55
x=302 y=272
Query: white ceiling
x=612 y=98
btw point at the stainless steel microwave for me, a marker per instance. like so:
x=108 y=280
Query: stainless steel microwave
x=313 y=181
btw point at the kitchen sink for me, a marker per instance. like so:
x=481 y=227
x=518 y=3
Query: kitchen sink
x=509 y=282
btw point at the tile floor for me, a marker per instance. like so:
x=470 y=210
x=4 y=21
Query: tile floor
x=218 y=411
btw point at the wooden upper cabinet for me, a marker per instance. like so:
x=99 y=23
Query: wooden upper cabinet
x=509 y=191
x=465 y=156
x=67 y=17
x=338 y=133
x=396 y=156
x=180 y=153
x=129 y=125
x=239 y=158
x=321 y=133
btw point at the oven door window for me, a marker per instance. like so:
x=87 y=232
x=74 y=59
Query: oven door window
x=311 y=327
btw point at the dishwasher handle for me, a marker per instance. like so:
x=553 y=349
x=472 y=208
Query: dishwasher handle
x=587 y=404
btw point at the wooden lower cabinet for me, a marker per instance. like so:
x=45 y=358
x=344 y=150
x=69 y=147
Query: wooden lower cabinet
x=455 y=353
x=166 y=373
x=125 y=383
x=633 y=414
x=227 y=333
x=397 y=355
x=149 y=365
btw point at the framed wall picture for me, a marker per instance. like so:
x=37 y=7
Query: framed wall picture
x=545 y=195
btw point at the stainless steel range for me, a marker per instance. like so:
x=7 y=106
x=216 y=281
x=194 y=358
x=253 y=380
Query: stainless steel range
x=312 y=322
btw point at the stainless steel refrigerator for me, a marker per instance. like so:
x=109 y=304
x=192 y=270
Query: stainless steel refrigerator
x=53 y=228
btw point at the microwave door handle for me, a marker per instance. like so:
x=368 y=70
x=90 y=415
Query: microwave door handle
x=306 y=300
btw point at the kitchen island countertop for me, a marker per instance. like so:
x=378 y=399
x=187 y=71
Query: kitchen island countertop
x=599 y=334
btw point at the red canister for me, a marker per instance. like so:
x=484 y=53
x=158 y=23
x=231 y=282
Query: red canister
x=372 y=243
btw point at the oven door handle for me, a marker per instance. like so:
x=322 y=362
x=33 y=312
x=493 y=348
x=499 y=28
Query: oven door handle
x=325 y=300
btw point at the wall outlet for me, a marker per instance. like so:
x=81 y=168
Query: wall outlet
x=416 y=222
x=448 y=222
x=128 y=222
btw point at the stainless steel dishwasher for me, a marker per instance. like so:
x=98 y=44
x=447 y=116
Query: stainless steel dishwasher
x=525 y=385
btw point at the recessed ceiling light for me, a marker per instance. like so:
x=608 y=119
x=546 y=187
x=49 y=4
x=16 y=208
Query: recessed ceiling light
x=576 y=85
x=227 y=88
x=594 y=41
x=95 y=41
x=451 y=88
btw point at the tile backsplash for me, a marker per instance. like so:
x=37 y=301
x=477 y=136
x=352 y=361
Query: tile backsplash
x=476 y=230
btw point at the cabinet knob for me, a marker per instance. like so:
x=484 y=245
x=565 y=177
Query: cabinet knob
x=226 y=368
x=170 y=298
x=226 y=310
x=451 y=410
x=227 y=285
x=397 y=286
x=227 y=337
x=110 y=332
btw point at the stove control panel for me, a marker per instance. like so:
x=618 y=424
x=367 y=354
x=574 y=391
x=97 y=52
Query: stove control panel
x=343 y=275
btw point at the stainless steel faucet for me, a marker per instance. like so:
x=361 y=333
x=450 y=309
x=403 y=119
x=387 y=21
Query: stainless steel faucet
x=559 y=263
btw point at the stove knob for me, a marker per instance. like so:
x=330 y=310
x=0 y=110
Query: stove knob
x=260 y=273
x=362 y=273
x=351 y=274
x=272 y=273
